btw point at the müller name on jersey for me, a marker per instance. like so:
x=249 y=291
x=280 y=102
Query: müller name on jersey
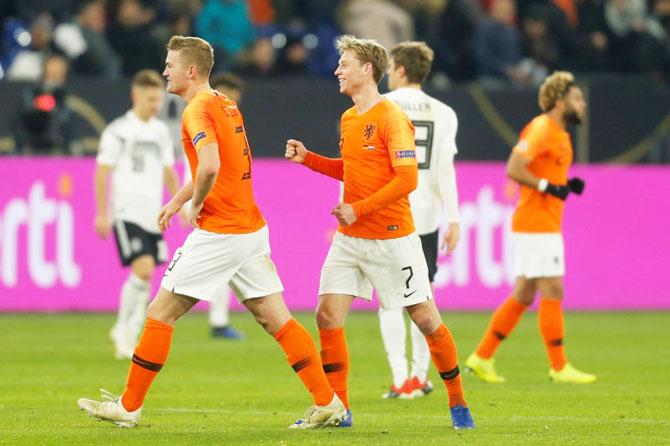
x=414 y=106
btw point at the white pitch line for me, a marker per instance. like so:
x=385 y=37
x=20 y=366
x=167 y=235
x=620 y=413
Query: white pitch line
x=588 y=419
x=223 y=411
x=423 y=417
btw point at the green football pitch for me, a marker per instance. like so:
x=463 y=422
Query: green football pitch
x=214 y=392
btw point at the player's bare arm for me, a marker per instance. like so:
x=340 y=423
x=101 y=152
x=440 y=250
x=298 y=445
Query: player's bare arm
x=451 y=237
x=295 y=151
x=103 y=225
x=208 y=169
x=174 y=206
x=171 y=180
x=517 y=170
x=172 y=183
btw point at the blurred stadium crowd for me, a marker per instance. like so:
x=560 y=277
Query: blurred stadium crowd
x=45 y=45
x=499 y=42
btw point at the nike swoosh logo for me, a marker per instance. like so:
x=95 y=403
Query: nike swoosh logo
x=407 y=295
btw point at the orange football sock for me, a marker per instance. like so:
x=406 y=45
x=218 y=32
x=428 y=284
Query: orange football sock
x=445 y=357
x=303 y=356
x=550 y=320
x=335 y=359
x=150 y=355
x=503 y=321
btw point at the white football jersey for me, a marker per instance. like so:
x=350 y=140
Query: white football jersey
x=435 y=126
x=138 y=153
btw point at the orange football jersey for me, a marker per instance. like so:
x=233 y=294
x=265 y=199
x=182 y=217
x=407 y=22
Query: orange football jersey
x=230 y=207
x=549 y=149
x=373 y=145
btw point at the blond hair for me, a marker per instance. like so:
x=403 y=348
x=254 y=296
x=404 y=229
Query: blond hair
x=147 y=78
x=366 y=51
x=195 y=51
x=416 y=58
x=555 y=87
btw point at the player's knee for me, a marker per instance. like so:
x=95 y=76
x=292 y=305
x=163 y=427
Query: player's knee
x=552 y=289
x=159 y=313
x=327 y=318
x=323 y=319
x=144 y=270
x=425 y=317
x=262 y=321
x=524 y=298
x=270 y=312
x=168 y=307
x=426 y=324
x=145 y=273
x=524 y=291
x=271 y=323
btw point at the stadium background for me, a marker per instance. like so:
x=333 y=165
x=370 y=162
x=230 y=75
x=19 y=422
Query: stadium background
x=65 y=72
x=616 y=234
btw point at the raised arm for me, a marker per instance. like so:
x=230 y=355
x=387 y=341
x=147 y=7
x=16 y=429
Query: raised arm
x=332 y=167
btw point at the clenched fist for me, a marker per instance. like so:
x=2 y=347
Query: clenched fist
x=295 y=151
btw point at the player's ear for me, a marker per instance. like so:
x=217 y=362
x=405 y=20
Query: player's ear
x=560 y=103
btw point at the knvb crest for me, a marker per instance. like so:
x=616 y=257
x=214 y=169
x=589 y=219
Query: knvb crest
x=369 y=131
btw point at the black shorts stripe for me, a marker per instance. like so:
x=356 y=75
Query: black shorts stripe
x=153 y=366
x=306 y=362
x=450 y=374
x=556 y=342
x=499 y=335
x=333 y=367
x=429 y=244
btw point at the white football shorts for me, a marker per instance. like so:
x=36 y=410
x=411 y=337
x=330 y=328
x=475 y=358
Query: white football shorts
x=396 y=268
x=208 y=263
x=538 y=254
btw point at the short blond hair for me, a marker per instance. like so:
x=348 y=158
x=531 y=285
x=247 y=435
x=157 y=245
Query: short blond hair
x=366 y=51
x=147 y=78
x=555 y=87
x=195 y=51
x=416 y=58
